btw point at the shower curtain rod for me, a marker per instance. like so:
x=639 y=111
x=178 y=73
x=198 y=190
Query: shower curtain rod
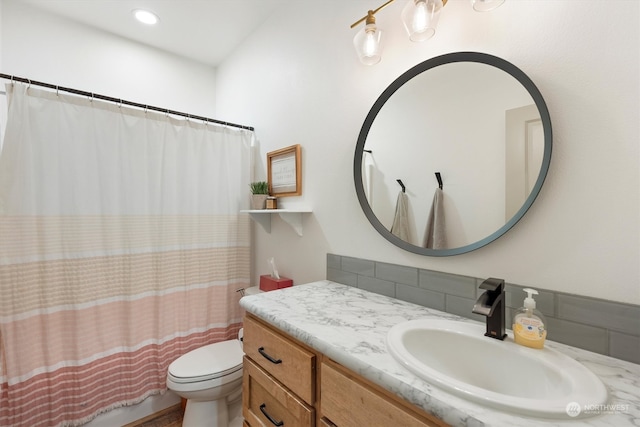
x=121 y=101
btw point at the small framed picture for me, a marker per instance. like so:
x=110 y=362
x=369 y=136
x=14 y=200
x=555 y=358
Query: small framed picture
x=284 y=171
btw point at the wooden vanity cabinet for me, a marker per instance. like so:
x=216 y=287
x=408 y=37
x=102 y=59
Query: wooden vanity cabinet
x=348 y=400
x=296 y=386
x=279 y=378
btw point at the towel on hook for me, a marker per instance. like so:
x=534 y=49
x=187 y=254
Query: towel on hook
x=400 y=227
x=435 y=236
x=367 y=176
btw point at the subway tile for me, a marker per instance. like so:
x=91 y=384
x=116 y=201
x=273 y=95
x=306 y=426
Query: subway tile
x=334 y=261
x=625 y=347
x=462 y=307
x=397 y=273
x=358 y=266
x=382 y=287
x=451 y=284
x=344 y=277
x=545 y=300
x=420 y=296
x=578 y=335
x=607 y=314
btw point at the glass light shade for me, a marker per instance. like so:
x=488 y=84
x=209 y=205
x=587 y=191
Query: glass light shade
x=368 y=44
x=420 y=18
x=485 y=5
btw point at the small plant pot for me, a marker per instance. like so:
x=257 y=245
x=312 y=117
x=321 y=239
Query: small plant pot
x=258 y=201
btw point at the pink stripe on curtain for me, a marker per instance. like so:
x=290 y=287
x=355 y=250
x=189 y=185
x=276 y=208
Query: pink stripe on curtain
x=78 y=393
x=121 y=248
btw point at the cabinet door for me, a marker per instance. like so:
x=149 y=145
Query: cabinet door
x=347 y=402
x=266 y=403
x=292 y=365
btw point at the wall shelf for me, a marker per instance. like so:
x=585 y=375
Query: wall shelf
x=293 y=217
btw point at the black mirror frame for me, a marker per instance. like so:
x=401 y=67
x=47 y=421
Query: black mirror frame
x=482 y=58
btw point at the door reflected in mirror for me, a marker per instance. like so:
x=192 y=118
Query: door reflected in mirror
x=475 y=119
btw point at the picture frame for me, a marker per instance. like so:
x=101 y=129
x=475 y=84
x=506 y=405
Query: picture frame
x=284 y=171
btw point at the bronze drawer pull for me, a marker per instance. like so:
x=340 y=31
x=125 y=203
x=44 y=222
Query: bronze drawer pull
x=264 y=411
x=269 y=358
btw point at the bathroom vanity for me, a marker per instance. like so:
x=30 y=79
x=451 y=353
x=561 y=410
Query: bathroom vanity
x=288 y=383
x=315 y=355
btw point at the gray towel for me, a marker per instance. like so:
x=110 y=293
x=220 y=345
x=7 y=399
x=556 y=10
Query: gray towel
x=435 y=236
x=400 y=225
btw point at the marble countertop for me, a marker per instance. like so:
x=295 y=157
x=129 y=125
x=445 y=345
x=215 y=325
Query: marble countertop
x=349 y=325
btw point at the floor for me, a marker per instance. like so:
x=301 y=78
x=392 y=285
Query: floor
x=170 y=417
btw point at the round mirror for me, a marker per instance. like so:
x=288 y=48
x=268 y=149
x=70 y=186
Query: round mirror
x=474 y=123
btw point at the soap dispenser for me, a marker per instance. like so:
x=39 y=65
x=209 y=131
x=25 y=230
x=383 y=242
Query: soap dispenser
x=529 y=325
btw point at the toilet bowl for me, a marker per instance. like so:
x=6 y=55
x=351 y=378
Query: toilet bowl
x=210 y=378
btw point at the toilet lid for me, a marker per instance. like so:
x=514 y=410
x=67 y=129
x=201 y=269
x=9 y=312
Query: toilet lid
x=211 y=361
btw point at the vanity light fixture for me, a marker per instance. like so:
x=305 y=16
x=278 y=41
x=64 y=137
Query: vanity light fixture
x=420 y=19
x=145 y=16
x=368 y=40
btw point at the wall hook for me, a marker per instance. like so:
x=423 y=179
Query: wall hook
x=401 y=185
x=439 y=178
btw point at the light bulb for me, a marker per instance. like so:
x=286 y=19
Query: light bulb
x=368 y=44
x=420 y=18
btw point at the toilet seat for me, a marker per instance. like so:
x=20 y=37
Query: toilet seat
x=206 y=363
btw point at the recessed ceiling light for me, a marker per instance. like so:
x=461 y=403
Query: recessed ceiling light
x=145 y=16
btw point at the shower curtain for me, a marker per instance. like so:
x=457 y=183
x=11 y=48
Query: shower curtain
x=121 y=248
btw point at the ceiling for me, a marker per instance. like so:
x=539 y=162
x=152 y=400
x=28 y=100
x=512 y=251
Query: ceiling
x=206 y=31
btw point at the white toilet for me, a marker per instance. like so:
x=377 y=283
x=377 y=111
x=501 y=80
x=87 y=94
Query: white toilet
x=210 y=378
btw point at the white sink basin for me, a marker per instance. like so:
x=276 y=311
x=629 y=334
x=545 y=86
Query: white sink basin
x=456 y=356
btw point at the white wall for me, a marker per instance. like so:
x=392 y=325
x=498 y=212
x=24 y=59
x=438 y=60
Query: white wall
x=297 y=81
x=42 y=47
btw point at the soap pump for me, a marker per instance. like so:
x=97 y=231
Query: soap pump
x=529 y=325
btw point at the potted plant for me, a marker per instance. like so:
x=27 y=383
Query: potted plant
x=259 y=194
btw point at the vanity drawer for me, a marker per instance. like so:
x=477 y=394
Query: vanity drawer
x=264 y=398
x=289 y=363
x=348 y=402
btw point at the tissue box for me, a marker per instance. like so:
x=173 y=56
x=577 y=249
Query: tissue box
x=268 y=283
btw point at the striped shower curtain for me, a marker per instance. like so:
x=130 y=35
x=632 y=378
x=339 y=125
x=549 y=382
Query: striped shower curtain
x=121 y=248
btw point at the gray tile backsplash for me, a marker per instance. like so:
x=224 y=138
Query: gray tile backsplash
x=607 y=314
x=601 y=326
x=379 y=286
x=419 y=296
x=449 y=284
x=623 y=345
x=397 y=273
